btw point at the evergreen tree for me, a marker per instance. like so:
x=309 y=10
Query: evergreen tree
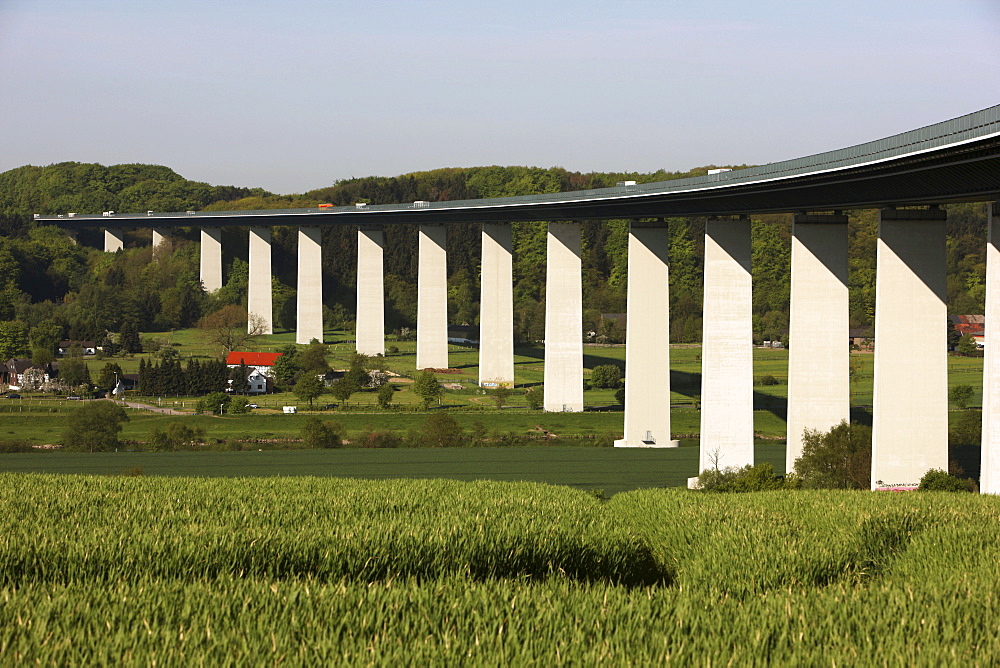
x=129 y=338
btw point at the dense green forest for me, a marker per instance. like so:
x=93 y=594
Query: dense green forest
x=51 y=288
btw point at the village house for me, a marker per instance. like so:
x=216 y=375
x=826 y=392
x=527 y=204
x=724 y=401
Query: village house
x=15 y=369
x=973 y=325
x=260 y=367
x=86 y=347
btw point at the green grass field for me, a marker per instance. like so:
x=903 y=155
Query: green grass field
x=313 y=571
x=608 y=469
x=42 y=420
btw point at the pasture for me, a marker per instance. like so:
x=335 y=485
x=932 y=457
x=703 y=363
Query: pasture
x=101 y=570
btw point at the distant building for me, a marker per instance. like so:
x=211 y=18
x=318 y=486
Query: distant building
x=86 y=347
x=15 y=368
x=260 y=367
x=126 y=382
x=973 y=325
x=261 y=362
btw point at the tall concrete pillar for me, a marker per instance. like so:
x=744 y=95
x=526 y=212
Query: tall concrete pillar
x=989 y=473
x=496 y=317
x=72 y=236
x=563 y=319
x=910 y=428
x=114 y=239
x=259 y=287
x=819 y=390
x=647 y=339
x=309 y=293
x=727 y=347
x=211 y=258
x=371 y=292
x=432 y=298
x=160 y=238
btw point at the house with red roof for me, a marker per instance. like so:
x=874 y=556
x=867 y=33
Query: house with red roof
x=259 y=368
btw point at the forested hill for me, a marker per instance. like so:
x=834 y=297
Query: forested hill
x=84 y=293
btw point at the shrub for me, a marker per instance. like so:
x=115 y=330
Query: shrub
x=965 y=428
x=384 y=395
x=620 y=396
x=960 y=395
x=214 y=403
x=318 y=434
x=937 y=480
x=441 y=430
x=14 y=445
x=750 y=478
x=606 y=376
x=534 y=397
x=380 y=439
x=176 y=436
x=839 y=459
x=499 y=394
x=769 y=380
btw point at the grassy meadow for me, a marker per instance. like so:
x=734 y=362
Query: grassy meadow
x=145 y=570
x=41 y=419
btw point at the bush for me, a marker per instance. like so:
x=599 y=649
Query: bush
x=620 y=396
x=318 y=434
x=215 y=402
x=380 y=439
x=534 y=397
x=965 y=428
x=606 y=377
x=769 y=380
x=759 y=478
x=176 y=436
x=384 y=395
x=937 y=480
x=838 y=459
x=441 y=430
x=960 y=395
x=15 y=445
x=499 y=394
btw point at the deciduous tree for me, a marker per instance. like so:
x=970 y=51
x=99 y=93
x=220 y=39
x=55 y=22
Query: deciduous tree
x=231 y=327
x=308 y=388
x=95 y=426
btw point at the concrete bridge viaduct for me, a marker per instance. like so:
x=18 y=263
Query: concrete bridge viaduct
x=906 y=176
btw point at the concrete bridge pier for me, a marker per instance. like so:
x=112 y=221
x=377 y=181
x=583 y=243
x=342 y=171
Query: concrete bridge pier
x=647 y=339
x=259 y=286
x=432 y=298
x=160 y=239
x=727 y=346
x=309 y=291
x=910 y=428
x=496 y=304
x=114 y=239
x=370 y=325
x=819 y=390
x=211 y=258
x=989 y=475
x=563 y=319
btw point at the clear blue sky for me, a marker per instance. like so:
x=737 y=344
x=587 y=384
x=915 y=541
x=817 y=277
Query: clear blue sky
x=296 y=94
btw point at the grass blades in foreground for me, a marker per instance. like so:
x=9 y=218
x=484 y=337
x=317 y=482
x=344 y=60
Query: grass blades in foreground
x=309 y=570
